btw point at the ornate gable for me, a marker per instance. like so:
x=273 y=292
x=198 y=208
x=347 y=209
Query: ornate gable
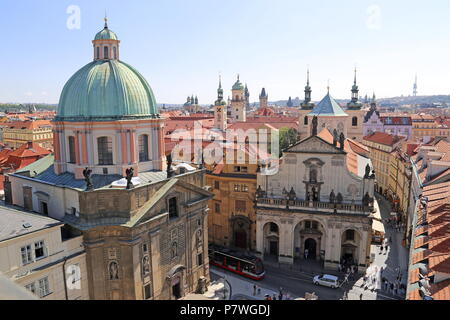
x=314 y=144
x=188 y=195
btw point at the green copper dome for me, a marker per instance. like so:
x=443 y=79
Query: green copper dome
x=106 y=34
x=106 y=90
x=238 y=85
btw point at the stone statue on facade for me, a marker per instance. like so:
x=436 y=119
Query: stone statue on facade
x=292 y=195
x=335 y=137
x=332 y=196
x=315 y=123
x=87 y=177
x=169 y=166
x=341 y=141
x=146 y=265
x=367 y=175
x=129 y=175
x=366 y=199
x=339 y=198
x=113 y=271
x=315 y=194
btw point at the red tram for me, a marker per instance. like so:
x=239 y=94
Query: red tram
x=238 y=262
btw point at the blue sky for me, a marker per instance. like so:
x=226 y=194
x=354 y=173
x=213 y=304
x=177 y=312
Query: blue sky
x=181 y=46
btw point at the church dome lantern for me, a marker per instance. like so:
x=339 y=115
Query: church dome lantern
x=107 y=117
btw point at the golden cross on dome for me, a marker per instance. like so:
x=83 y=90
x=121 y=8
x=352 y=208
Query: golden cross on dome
x=106 y=20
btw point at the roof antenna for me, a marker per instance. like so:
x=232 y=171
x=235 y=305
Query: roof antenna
x=328 y=86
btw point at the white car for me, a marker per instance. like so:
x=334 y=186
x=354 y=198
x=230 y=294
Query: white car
x=326 y=280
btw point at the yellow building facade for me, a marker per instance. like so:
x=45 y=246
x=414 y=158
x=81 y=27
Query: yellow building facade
x=399 y=181
x=381 y=146
x=232 y=217
x=17 y=133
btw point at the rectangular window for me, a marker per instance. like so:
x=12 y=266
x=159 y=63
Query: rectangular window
x=31 y=287
x=147 y=292
x=237 y=169
x=72 y=157
x=200 y=259
x=315 y=225
x=44 y=208
x=216 y=185
x=244 y=169
x=44 y=288
x=217 y=207
x=240 y=205
x=173 y=208
x=143 y=147
x=39 y=249
x=307 y=224
x=350 y=234
x=145 y=248
x=27 y=256
x=237 y=188
x=244 y=188
x=105 y=154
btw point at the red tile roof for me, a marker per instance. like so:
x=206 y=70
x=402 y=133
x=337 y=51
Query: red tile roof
x=383 y=138
x=441 y=290
x=29 y=124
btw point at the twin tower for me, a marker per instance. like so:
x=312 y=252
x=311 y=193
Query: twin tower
x=329 y=113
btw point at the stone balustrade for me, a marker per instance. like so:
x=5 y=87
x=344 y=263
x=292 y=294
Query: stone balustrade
x=314 y=205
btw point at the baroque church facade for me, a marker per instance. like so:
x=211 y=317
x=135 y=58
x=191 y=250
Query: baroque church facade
x=144 y=222
x=318 y=201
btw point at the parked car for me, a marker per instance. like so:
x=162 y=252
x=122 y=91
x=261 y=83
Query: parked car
x=326 y=280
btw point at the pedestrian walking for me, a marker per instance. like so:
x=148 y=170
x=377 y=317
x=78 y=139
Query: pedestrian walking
x=254 y=289
x=280 y=296
x=259 y=291
x=306 y=253
x=274 y=297
x=360 y=296
x=392 y=287
x=381 y=249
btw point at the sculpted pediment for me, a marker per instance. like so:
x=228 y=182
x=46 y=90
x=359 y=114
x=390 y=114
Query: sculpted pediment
x=314 y=144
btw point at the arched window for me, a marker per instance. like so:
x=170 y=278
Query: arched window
x=354 y=121
x=143 y=147
x=313 y=175
x=105 y=153
x=98 y=52
x=115 y=52
x=105 y=53
x=72 y=157
x=305 y=120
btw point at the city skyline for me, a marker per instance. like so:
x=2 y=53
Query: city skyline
x=270 y=45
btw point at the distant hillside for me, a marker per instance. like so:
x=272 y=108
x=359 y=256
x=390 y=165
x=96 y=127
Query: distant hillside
x=419 y=100
x=25 y=106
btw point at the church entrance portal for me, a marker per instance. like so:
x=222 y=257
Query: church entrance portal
x=311 y=246
x=240 y=239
